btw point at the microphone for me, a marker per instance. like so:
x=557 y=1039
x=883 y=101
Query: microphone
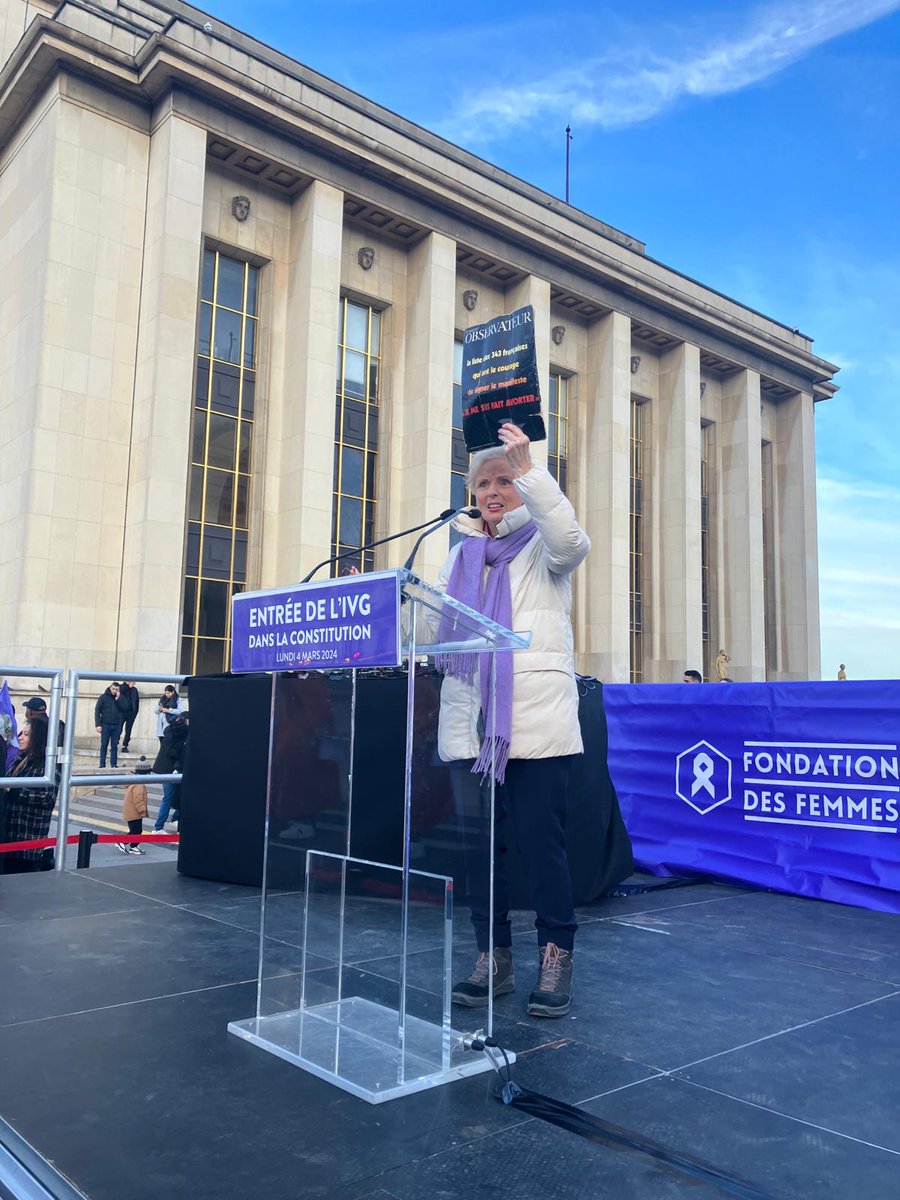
x=445 y=518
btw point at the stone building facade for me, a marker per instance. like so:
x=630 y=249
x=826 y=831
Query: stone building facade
x=231 y=296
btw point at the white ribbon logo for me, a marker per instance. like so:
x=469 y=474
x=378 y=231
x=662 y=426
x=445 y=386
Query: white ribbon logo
x=703 y=770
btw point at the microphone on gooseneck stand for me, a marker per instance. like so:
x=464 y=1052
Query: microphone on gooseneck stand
x=446 y=518
x=447 y=515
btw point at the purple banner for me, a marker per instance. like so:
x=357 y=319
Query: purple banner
x=792 y=786
x=348 y=622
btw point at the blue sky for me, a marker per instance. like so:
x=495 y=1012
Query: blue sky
x=753 y=146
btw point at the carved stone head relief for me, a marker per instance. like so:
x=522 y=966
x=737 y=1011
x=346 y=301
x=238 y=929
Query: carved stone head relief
x=240 y=207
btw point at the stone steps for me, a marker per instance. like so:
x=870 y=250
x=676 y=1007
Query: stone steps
x=90 y=805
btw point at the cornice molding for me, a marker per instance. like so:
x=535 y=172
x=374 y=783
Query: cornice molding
x=164 y=61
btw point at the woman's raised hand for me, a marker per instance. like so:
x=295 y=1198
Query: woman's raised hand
x=517 y=446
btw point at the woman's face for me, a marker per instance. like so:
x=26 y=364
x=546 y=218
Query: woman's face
x=25 y=737
x=170 y=692
x=495 y=492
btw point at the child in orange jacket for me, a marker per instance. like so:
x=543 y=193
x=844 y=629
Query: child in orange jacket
x=134 y=808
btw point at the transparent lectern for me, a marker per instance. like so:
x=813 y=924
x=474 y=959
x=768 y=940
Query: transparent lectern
x=371 y=841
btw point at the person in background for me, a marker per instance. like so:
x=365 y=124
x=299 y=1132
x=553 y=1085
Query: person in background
x=129 y=703
x=108 y=722
x=167 y=706
x=134 y=809
x=170 y=761
x=28 y=810
x=842 y=672
x=7 y=727
x=8 y=748
x=37 y=707
x=692 y=677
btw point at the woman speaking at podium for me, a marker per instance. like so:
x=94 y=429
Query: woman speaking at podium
x=514 y=565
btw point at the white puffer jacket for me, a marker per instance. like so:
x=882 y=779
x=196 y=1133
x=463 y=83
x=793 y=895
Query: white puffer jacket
x=545 y=696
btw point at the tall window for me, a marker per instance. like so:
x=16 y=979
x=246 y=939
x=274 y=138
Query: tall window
x=558 y=429
x=355 y=435
x=221 y=440
x=636 y=547
x=459 y=456
x=768 y=540
x=707 y=451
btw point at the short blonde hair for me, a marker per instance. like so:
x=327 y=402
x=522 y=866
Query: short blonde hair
x=477 y=461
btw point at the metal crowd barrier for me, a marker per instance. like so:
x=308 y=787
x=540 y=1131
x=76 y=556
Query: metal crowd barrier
x=67 y=779
x=56 y=690
x=62 y=756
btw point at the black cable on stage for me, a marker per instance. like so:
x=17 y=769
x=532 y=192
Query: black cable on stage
x=604 y=1133
x=640 y=889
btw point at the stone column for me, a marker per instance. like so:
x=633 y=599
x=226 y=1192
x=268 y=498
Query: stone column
x=797 y=547
x=299 y=504
x=742 y=627
x=676 y=585
x=536 y=292
x=603 y=502
x=160 y=452
x=421 y=441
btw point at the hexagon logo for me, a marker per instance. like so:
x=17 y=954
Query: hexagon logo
x=703 y=777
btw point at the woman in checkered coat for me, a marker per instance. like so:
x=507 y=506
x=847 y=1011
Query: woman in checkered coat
x=28 y=810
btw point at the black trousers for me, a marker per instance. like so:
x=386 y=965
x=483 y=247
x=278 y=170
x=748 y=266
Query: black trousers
x=129 y=725
x=531 y=807
x=136 y=827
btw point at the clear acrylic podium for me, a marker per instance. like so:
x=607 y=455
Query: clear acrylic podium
x=357 y=956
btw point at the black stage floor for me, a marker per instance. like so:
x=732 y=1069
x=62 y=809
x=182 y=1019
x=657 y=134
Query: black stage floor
x=757 y=1032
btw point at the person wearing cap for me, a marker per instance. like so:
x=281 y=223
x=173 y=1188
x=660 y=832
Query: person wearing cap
x=37 y=707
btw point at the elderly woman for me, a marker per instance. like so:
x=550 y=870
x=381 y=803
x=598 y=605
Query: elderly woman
x=514 y=564
x=28 y=810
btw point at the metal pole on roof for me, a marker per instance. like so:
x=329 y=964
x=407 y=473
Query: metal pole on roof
x=568 y=143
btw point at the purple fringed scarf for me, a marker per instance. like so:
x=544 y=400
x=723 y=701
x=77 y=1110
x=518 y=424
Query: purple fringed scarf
x=493 y=599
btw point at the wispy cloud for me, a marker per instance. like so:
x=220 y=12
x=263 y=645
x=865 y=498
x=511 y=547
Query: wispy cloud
x=859 y=586
x=632 y=82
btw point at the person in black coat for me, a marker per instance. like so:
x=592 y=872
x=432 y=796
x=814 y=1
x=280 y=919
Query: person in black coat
x=170 y=761
x=129 y=703
x=108 y=722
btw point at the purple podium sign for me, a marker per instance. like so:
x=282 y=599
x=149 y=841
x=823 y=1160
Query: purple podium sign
x=348 y=622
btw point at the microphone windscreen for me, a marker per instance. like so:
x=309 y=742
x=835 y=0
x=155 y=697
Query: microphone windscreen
x=472 y=512
x=447 y=514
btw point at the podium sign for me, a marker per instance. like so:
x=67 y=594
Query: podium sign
x=348 y=622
